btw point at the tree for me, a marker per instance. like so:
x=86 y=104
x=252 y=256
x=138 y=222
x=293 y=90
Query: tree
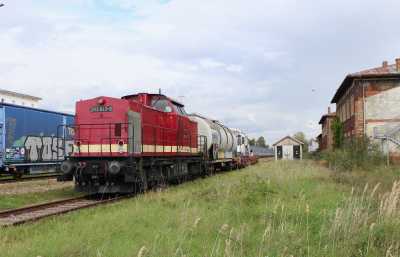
x=252 y=142
x=267 y=146
x=337 y=132
x=302 y=138
x=261 y=142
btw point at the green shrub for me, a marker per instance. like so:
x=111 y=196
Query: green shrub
x=317 y=155
x=356 y=153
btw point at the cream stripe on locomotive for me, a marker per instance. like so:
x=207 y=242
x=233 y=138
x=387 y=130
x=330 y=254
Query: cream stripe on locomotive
x=146 y=149
x=105 y=148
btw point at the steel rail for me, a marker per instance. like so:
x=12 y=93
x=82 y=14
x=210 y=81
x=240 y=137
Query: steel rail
x=12 y=180
x=39 y=211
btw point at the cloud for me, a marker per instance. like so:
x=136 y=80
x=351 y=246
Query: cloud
x=254 y=62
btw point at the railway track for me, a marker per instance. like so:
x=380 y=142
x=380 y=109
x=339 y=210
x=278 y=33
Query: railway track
x=11 y=180
x=39 y=211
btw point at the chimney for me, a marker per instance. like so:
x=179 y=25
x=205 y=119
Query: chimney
x=384 y=64
x=397 y=63
x=329 y=110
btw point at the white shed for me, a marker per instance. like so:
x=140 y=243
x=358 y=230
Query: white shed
x=288 y=148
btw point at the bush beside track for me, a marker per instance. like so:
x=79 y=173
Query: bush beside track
x=284 y=208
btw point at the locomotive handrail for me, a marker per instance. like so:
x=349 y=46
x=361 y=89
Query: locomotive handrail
x=77 y=128
x=162 y=140
x=204 y=145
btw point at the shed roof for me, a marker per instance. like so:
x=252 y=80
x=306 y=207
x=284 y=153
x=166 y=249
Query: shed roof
x=323 y=118
x=290 y=138
x=19 y=94
x=387 y=71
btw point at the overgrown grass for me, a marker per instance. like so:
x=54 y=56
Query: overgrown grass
x=12 y=201
x=274 y=209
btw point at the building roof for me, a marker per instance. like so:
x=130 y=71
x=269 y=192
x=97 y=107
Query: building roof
x=291 y=138
x=319 y=136
x=34 y=109
x=19 y=94
x=323 y=118
x=387 y=71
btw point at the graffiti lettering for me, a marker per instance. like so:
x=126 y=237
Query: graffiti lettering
x=71 y=131
x=33 y=145
x=12 y=123
x=47 y=148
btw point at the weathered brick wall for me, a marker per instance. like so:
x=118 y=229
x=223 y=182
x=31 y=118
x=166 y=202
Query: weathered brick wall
x=326 y=133
x=382 y=98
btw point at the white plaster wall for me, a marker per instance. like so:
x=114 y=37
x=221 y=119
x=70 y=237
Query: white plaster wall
x=385 y=105
x=19 y=100
x=287 y=149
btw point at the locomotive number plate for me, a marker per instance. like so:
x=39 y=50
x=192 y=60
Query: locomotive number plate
x=101 y=109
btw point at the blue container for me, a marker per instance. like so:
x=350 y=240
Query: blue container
x=28 y=139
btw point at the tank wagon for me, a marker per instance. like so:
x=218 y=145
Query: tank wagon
x=29 y=142
x=142 y=141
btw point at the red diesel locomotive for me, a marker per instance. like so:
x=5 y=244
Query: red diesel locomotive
x=137 y=141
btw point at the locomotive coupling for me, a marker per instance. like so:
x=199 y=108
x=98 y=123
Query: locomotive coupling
x=66 y=167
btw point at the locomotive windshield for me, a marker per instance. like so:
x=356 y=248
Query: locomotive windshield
x=161 y=104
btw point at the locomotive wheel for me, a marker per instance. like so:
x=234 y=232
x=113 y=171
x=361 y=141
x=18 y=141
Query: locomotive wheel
x=17 y=174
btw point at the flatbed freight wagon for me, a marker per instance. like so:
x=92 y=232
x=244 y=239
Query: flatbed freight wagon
x=29 y=142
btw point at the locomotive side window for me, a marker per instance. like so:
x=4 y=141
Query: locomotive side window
x=183 y=111
x=161 y=104
x=179 y=109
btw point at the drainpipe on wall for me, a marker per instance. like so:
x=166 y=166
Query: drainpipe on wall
x=362 y=82
x=329 y=134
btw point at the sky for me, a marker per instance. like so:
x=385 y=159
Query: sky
x=252 y=65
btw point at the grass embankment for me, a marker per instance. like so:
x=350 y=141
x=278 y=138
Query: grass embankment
x=274 y=209
x=30 y=193
x=30 y=176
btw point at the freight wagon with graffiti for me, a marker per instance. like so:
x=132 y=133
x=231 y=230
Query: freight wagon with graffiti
x=29 y=141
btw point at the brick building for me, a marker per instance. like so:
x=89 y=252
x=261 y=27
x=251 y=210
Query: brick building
x=369 y=98
x=325 y=139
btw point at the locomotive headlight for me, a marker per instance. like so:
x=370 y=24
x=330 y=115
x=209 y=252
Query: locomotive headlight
x=78 y=147
x=121 y=146
x=101 y=101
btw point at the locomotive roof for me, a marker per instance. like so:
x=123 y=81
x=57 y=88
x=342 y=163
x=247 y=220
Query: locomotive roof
x=170 y=98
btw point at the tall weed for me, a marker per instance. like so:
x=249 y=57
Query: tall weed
x=356 y=153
